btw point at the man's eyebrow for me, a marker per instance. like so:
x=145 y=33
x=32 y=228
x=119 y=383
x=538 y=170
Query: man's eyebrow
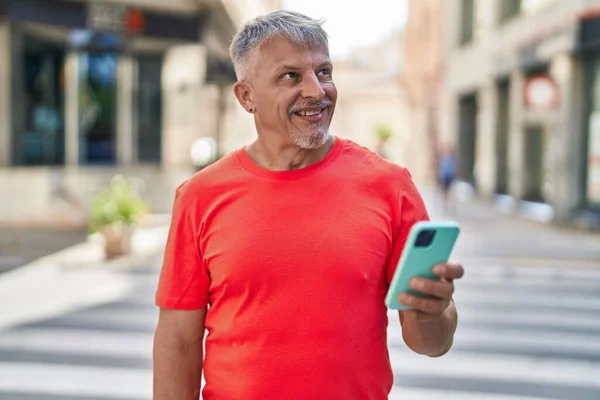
x=287 y=67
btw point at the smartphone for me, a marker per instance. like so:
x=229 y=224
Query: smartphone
x=428 y=243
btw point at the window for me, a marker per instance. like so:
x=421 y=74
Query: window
x=39 y=129
x=467 y=137
x=467 y=21
x=509 y=9
x=97 y=108
x=149 y=110
x=592 y=139
x=502 y=137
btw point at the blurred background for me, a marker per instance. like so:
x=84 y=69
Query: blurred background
x=106 y=106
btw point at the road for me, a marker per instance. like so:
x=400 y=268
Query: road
x=529 y=326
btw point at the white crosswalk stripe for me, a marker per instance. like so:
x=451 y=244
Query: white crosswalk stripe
x=523 y=335
x=78 y=341
x=114 y=383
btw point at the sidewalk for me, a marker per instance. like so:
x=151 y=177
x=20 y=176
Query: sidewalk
x=76 y=277
x=488 y=234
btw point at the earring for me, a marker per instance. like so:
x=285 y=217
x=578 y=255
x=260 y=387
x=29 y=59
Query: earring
x=251 y=110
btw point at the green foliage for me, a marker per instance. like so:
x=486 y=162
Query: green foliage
x=384 y=132
x=121 y=203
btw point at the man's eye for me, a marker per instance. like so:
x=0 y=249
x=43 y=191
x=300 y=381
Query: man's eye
x=290 y=75
x=325 y=72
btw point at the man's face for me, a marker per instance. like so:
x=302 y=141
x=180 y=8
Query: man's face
x=293 y=92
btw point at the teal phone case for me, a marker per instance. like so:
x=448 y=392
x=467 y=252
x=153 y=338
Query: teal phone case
x=419 y=261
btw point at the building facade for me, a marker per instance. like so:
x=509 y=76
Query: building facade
x=421 y=80
x=520 y=101
x=89 y=89
x=370 y=97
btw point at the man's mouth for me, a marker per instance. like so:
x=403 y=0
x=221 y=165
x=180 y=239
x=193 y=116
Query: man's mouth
x=311 y=115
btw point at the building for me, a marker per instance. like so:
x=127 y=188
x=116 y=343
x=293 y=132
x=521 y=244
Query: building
x=89 y=89
x=370 y=96
x=521 y=94
x=422 y=79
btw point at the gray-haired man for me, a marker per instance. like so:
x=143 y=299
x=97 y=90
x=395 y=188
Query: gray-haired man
x=284 y=250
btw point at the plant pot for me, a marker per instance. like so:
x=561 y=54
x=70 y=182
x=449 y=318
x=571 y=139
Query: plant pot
x=117 y=240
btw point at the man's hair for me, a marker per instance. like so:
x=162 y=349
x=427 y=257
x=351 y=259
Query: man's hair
x=299 y=29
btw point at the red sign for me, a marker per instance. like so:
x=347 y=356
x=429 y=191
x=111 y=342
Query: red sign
x=135 y=21
x=541 y=93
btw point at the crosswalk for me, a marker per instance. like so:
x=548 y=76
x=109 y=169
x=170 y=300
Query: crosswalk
x=524 y=334
x=101 y=352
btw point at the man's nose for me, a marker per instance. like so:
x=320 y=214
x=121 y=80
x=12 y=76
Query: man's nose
x=312 y=87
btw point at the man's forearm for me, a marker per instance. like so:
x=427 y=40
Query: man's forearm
x=433 y=338
x=177 y=371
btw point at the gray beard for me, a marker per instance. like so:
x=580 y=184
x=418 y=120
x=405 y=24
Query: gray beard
x=311 y=142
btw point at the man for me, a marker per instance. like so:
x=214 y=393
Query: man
x=283 y=251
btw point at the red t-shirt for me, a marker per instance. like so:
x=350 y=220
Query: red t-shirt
x=294 y=267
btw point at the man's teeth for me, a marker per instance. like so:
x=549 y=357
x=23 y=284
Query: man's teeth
x=305 y=113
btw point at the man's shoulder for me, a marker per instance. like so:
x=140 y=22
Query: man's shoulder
x=371 y=163
x=211 y=179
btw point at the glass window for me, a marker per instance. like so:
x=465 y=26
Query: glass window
x=509 y=9
x=467 y=137
x=97 y=108
x=467 y=21
x=592 y=165
x=39 y=129
x=149 y=110
x=502 y=137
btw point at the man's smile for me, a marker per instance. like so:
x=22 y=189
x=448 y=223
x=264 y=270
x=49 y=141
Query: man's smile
x=311 y=115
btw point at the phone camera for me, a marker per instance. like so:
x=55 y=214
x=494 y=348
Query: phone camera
x=425 y=238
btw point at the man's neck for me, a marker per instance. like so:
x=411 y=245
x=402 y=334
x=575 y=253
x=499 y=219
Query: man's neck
x=284 y=156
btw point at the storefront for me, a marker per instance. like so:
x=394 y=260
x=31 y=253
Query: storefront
x=589 y=50
x=86 y=80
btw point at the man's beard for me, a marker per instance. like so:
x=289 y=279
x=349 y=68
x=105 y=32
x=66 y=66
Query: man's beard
x=321 y=135
x=311 y=141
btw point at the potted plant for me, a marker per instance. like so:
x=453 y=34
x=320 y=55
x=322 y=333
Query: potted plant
x=114 y=214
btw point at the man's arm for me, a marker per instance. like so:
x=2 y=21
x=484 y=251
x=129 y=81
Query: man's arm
x=178 y=354
x=429 y=327
x=429 y=337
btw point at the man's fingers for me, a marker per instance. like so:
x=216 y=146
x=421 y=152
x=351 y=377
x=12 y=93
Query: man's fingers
x=443 y=290
x=449 y=271
x=428 y=306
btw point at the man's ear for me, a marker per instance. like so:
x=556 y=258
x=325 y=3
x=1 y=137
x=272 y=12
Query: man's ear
x=243 y=94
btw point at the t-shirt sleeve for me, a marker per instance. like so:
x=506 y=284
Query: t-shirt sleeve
x=184 y=280
x=410 y=210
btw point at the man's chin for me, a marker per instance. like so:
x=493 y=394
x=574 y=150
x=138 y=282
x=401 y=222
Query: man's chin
x=311 y=141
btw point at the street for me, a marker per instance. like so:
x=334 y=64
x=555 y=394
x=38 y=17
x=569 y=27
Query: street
x=529 y=309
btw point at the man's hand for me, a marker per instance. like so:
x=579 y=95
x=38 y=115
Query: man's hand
x=431 y=309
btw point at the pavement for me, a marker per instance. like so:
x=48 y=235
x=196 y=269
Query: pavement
x=75 y=327
x=21 y=245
